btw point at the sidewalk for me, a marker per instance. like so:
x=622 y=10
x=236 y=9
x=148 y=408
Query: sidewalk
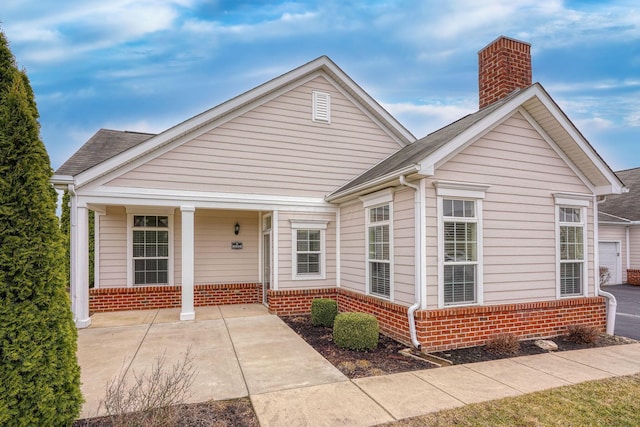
x=244 y=351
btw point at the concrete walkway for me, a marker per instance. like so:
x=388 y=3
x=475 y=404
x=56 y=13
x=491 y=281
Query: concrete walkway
x=243 y=351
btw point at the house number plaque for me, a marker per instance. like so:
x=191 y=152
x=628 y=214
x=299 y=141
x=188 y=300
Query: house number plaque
x=236 y=245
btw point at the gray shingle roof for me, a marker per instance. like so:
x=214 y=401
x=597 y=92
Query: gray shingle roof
x=625 y=205
x=105 y=144
x=423 y=147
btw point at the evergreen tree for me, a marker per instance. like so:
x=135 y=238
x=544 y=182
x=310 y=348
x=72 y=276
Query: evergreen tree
x=39 y=373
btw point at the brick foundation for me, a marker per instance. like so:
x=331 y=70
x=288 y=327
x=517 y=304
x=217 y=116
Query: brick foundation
x=445 y=329
x=633 y=277
x=298 y=301
x=470 y=326
x=148 y=297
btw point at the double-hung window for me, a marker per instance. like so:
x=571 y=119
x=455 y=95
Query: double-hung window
x=150 y=241
x=379 y=265
x=308 y=243
x=460 y=246
x=572 y=241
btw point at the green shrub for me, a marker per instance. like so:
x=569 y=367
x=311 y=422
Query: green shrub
x=323 y=311
x=355 y=331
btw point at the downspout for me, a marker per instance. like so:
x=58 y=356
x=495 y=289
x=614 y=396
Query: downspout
x=612 y=303
x=418 y=261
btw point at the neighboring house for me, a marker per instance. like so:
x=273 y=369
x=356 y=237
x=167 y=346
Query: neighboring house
x=306 y=187
x=619 y=231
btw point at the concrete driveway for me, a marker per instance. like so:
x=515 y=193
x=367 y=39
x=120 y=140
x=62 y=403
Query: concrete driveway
x=628 y=314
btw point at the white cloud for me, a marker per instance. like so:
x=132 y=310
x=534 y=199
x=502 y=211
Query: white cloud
x=422 y=119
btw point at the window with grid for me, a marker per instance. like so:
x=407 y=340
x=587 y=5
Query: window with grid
x=460 y=238
x=571 y=251
x=378 y=254
x=308 y=252
x=150 y=249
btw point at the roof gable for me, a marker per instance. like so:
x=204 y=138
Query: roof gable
x=90 y=166
x=427 y=154
x=625 y=206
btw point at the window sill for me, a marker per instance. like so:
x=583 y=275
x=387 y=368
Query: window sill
x=309 y=277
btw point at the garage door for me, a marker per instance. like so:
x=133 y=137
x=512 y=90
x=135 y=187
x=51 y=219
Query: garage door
x=610 y=258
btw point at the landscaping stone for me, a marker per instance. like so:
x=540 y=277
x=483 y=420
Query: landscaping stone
x=547 y=345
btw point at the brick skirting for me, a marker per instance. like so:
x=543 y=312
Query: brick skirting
x=148 y=297
x=633 y=276
x=445 y=329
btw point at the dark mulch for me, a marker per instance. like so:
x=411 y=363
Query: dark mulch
x=386 y=359
x=224 y=413
x=482 y=354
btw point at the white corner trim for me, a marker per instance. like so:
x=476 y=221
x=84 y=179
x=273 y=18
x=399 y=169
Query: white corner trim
x=572 y=199
x=377 y=198
x=317 y=224
x=460 y=189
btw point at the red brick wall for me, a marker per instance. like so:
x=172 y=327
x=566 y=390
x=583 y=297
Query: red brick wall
x=296 y=301
x=633 y=277
x=504 y=65
x=147 y=297
x=450 y=328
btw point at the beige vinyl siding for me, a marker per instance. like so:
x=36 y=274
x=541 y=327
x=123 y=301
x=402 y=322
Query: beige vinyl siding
x=215 y=261
x=274 y=149
x=634 y=247
x=113 y=248
x=519 y=244
x=285 y=253
x=404 y=247
x=616 y=233
x=352 y=250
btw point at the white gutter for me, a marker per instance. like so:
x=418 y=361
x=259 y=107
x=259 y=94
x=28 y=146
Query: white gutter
x=418 y=236
x=612 y=303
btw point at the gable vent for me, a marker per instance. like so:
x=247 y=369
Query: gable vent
x=321 y=107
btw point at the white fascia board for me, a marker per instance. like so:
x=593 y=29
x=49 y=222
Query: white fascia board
x=61 y=181
x=242 y=102
x=157 y=197
x=569 y=127
x=344 y=196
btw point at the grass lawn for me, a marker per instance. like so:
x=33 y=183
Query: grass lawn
x=609 y=402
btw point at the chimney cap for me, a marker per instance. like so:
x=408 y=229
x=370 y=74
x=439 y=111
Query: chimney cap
x=505 y=38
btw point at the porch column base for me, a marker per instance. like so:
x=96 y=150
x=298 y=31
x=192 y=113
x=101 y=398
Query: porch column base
x=81 y=324
x=188 y=316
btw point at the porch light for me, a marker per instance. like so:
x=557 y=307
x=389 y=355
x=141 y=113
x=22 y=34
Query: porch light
x=236 y=229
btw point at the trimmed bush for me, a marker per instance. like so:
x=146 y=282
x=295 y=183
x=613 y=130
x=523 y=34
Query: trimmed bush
x=323 y=312
x=356 y=331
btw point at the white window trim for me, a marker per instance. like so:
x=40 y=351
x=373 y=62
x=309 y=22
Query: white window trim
x=574 y=201
x=131 y=212
x=319 y=116
x=461 y=191
x=371 y=201
x=308 y=224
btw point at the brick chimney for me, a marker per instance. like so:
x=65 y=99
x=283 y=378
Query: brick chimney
x=504 y=66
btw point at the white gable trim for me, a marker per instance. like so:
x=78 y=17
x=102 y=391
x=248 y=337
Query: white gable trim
x=237 y=106
x=556 y=148
x=501 y=114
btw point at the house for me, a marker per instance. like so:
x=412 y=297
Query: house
x=619 y=231
x=306 y=187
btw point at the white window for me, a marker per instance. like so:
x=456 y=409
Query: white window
x=308 y=243
x=321 y=107
x=150 y=249
x=572 y=250
x=460 y=269
x=460 y=251
x=379 y=251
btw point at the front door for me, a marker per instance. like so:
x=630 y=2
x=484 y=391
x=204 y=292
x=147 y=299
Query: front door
x=266 y=265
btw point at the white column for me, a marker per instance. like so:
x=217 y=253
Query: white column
x=188 y=311
x=80 y=264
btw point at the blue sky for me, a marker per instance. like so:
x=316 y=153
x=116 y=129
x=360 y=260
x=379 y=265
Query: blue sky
x=146 y=65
